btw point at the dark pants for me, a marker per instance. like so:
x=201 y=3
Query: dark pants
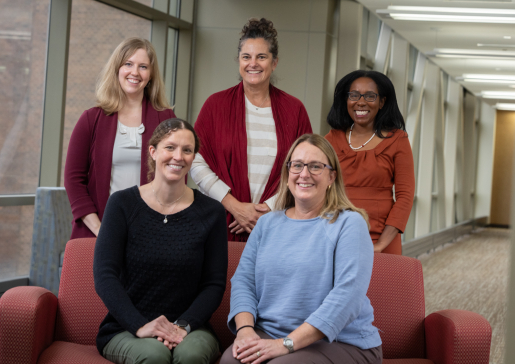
x=320 y=352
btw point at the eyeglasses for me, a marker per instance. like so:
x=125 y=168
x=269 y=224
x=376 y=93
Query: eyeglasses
x=368 y=97
x=314 y=168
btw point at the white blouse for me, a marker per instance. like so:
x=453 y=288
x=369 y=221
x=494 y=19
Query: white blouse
x=126 y=166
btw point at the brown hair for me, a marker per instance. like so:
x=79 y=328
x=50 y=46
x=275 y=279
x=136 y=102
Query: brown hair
x=162 y=131
x=260 y=28
x=336 y=200
x=109 y=93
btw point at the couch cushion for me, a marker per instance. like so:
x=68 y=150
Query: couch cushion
x=80 y=310
x=61 y=352
x=219 y=318
x=397 y=295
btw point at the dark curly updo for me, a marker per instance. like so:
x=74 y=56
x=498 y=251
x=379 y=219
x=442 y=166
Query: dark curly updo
x=260 y=28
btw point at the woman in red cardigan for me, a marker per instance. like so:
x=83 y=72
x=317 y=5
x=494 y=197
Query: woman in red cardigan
x=108 y=146
x=246 y=132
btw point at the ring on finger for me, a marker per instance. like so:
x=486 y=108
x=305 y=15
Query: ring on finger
x=258 y=354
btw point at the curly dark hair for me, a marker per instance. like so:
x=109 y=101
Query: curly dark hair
x=164 y=129
x=260 y=28
x=387 y=119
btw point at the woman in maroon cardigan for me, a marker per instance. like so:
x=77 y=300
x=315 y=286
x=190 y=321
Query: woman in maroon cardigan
x=246 y=132
x=108 y=146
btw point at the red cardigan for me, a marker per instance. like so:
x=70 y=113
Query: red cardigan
x=87 y=173
x=223 y=139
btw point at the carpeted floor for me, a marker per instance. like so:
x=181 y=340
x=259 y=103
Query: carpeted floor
x=472 y=274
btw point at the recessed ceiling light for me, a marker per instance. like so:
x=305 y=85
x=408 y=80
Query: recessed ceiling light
x=502 y=79
x=493 y=45
x=502 y=95
x=470 y=53
x=499 y=79
x=448 y=14
x=507 y=37
x=507 y=106
x=489 y=77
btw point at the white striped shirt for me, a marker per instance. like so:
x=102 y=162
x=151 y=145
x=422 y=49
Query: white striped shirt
x=261 y=153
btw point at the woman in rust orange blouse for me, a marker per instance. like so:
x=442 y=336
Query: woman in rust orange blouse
x=369 y=136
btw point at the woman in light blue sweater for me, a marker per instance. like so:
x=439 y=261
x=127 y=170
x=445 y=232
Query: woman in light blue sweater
x=299 y=293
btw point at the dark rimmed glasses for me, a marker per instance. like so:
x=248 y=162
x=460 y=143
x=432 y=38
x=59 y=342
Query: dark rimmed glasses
x=368 y=96
x=314 y=168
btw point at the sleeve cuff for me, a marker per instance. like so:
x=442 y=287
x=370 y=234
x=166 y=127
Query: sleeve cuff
x=82 y=208
x=230 y=320
x=271 y=202
x=137 y=325
x=327 y=329
x=396 y=225
x=219 y=190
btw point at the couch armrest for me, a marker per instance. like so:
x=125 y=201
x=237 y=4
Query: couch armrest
x=457 y=336
x=27 y=322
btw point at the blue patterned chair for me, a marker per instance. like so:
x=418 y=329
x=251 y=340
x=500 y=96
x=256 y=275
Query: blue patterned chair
x=52 y=230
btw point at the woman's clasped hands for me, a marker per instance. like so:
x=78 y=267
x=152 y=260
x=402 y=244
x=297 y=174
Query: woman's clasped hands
x=246 y=216
x=168 y=333
x=250 y=348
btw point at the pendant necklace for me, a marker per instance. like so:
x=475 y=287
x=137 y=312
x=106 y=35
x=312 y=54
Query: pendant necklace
x=257 y=108
x=173 y=203
x=350 y=133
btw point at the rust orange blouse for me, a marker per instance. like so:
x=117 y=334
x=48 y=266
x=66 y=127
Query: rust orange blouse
x=369 y=177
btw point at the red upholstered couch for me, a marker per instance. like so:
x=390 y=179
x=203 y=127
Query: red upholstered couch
x=37 y=327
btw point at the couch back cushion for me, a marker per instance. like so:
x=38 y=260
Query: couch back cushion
x=79 y=310
x=219 y=318
x=397 y=295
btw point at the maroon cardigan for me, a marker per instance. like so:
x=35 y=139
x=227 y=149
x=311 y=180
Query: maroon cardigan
x=223 y=139
x=87 y=173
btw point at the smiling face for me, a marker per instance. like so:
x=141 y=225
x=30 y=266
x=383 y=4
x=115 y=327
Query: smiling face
x=308 y=189
x=362 y=112
x=256 y=62
x=174 y=155
x=135 y=74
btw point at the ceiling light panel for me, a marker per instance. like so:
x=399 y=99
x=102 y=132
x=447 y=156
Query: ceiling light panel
x=496 y=45
x=502 y=95
x=502 y=106
x=490 y=77
x=471 y=53
x=448 y=14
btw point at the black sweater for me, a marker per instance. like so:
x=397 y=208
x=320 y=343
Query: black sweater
x=144 y=268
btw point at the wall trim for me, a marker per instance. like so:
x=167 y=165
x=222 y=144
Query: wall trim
x=423 y=244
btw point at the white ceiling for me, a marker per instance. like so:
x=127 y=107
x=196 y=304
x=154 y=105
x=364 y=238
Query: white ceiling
x=426 y=36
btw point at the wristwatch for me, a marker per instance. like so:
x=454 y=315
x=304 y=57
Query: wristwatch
x=184 y=325
x=288 y=343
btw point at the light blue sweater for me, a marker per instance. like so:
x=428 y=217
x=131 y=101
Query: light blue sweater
x=296 y=271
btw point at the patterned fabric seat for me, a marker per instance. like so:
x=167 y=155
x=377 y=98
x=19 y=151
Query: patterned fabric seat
x=37 y=327
x=52 y=230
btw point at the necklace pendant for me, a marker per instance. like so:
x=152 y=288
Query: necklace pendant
x=165 y=220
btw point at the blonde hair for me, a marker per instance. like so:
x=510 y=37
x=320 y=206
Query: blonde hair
x=109 y=93
x=336 y=200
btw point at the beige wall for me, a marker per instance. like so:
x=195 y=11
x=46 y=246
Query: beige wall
x=485 y=153
x=304 y=32
x=503 y=168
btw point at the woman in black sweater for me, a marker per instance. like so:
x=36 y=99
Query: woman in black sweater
x=161 y=261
